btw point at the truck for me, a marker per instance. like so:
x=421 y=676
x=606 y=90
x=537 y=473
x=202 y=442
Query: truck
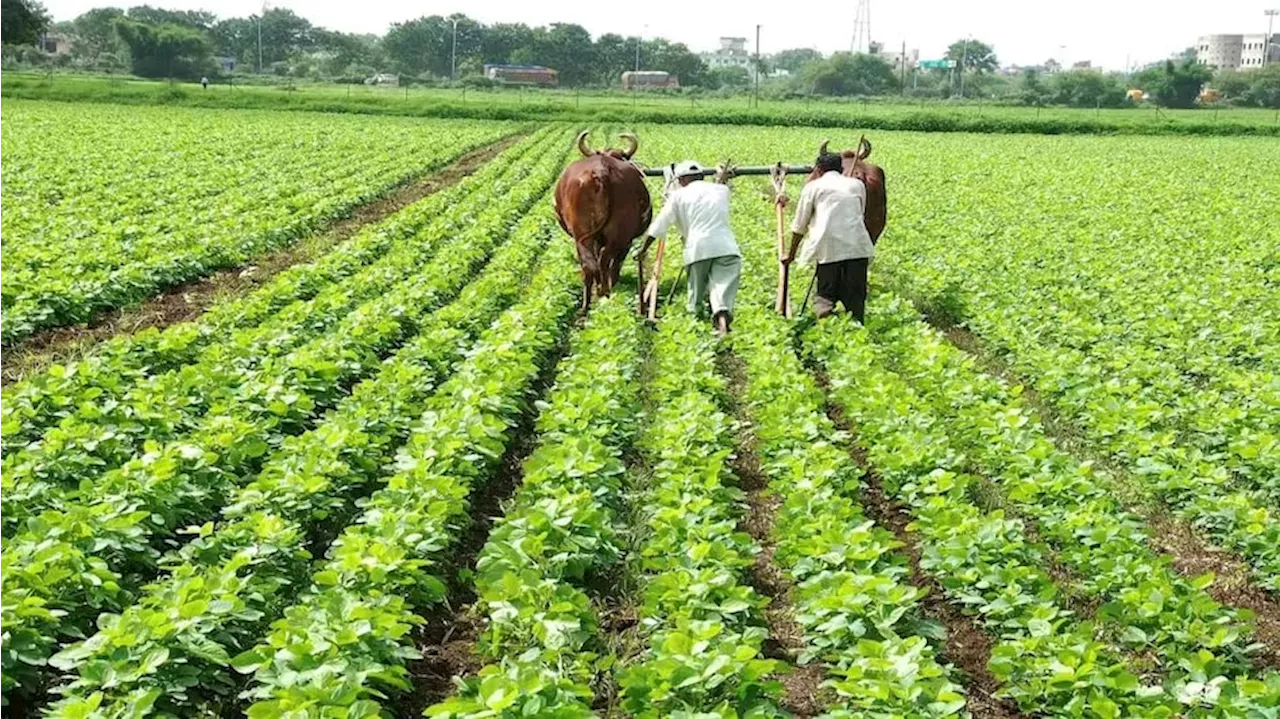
x=522 y=75
x=648 y=78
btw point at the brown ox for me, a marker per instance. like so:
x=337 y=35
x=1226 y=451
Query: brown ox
x=855 y=165
x=603 y=204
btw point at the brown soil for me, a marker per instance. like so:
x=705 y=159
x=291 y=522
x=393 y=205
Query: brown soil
x=967 y=647
x=1192 y=557
x=448 y=641
x=189 y=300
x=802 y=692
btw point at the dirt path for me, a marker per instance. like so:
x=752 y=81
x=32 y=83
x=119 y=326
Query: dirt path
x=802 y=692
x=188 y=301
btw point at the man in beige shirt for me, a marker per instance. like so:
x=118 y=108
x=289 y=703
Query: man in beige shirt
x=831 y=212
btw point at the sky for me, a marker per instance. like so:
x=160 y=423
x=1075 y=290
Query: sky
x=1106 y=32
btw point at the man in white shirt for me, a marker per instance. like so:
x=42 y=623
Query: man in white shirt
x=830 y=212
x=700 y=210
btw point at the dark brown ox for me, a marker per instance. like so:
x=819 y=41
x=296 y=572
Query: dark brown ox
x=855 y=164
x=603 y=204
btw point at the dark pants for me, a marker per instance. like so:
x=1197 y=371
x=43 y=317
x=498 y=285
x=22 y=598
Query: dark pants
x=844 y=282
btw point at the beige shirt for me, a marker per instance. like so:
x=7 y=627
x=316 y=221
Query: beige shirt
x=700 y=210
x=830 y=212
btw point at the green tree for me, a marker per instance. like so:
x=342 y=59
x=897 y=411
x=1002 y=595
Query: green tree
x=729 y=76
x=93 y=33
x=973 y=55
x=420 y=46
x=844 y=74
x=22 y=21
x=1087 y=88
x=166 y=50
x=501 y=40
x=795 y=60
x=675 y=58
x=615 y=55
x=1031 y=90
x=1174 y=85
x=568 y=48
x=197 y=19
x=1264 y=87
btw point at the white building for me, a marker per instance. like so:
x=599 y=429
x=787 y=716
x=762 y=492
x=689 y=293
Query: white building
x=732 y=53
x=1237 y=52
x=896 y=58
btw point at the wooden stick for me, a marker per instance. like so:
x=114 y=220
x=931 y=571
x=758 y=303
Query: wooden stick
x=651 y=291
x=782 y=304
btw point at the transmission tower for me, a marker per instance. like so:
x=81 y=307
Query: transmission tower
x=861 y=27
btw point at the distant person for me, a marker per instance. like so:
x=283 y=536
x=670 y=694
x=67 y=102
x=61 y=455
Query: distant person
x=204 y=83
x=700 y=210
x=831 y=212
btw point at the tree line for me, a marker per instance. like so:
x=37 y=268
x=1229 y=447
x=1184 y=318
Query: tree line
x=155 y=42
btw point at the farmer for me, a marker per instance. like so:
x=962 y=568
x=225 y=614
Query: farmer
x=830 y=212
x=204 y=83
x=700 y=210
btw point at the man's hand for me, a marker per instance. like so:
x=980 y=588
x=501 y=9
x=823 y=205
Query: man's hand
x=786 y=259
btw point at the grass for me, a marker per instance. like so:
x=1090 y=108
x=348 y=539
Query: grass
x=615 y=106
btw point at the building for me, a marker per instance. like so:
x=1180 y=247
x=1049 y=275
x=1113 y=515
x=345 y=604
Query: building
x=649 y=78
x=732 y=53
x=896 y=59
x=522 y=75
x=1237 y=52
x=1082 y=65
x=54 y=43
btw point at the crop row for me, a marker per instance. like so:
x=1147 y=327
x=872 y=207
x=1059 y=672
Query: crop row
x=346 y=642
x=1159 y=337
x=561 y=528
x=703 y=622
x=1143 y=604
x=67 y=564
x=983 y=560
x=240 y=573
x=248 y=384
x=272 y=318
x=860 y=619
x=296 y=306
x=154 y=215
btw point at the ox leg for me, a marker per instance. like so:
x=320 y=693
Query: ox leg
x=602 y=269
x=590 y=265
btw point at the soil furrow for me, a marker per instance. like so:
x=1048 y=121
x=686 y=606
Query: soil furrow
x=967 y=646
x=802 y=692
x=188 y=301
x=1191 y=554
x=448 y=640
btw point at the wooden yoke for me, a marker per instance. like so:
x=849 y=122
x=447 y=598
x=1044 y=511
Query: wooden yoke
x=783 y=302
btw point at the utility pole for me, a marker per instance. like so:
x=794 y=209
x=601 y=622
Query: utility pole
x=1266 y=42
x=902 y=68
x=264 y=12
x=964 y=60
x=757 y=66
x=638 y=39
x=453 y=58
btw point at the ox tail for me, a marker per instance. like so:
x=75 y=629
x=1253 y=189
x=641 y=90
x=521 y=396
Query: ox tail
x=594 y=196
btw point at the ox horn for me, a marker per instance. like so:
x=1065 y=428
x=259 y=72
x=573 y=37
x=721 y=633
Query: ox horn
x=864 y=148
x=582 y=143
x=822 y=149
x=634 y=142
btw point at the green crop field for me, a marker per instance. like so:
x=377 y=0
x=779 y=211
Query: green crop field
x=408 y=477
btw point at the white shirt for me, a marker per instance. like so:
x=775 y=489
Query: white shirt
x=700 y=210
x=831 y=213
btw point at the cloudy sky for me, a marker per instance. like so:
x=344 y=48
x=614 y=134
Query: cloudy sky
x=1105 y=32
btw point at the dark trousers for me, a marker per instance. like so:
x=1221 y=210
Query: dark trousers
x=844 y=282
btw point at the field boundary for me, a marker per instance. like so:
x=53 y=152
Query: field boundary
x=907 y=120
x=189 y=300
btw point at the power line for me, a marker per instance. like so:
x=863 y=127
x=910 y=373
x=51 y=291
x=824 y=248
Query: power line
x=861 y=27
